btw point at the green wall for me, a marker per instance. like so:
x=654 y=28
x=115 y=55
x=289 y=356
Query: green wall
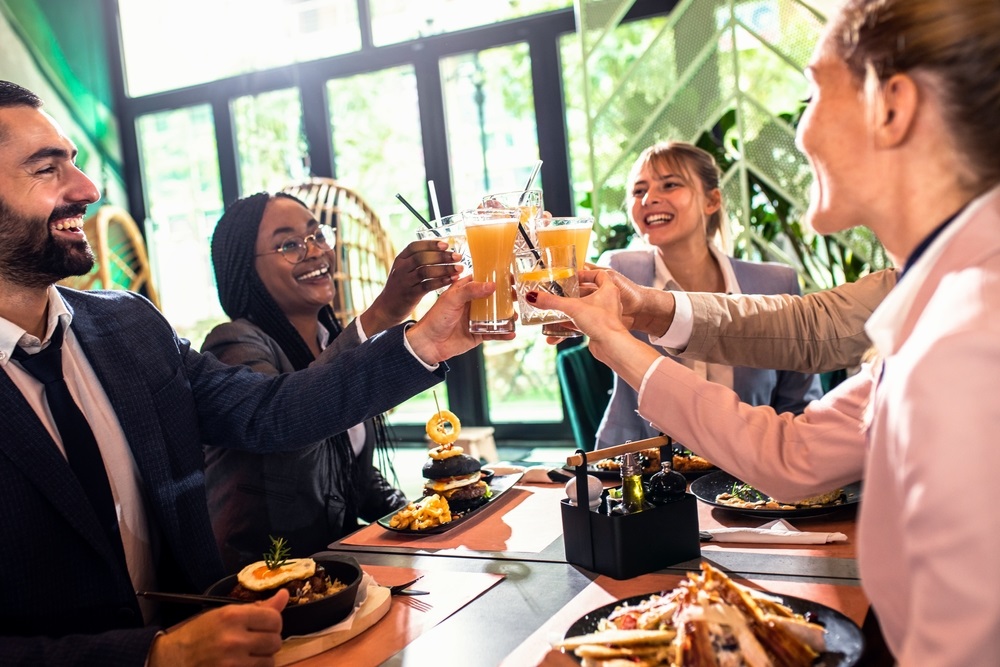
x=57 y=48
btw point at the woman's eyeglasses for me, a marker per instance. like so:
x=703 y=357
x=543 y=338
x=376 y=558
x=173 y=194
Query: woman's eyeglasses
x=294 y=250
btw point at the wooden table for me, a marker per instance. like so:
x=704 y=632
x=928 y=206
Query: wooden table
x=512 y=622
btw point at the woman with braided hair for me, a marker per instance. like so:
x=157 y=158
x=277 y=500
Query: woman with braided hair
x=273 y=268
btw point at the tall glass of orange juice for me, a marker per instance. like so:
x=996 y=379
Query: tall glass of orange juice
x=557 y=232
x=490 y=233
x=528 y=202
x=552 y=232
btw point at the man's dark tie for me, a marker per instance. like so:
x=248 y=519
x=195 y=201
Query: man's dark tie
x=78 y=439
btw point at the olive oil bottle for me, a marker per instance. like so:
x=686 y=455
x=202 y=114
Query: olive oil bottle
x=633 y=492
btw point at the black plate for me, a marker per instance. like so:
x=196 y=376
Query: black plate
x=304 y=619
x=708 y=487
x=499 y=484
x=844 y=641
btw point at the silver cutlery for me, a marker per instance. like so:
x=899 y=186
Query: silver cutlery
x=189 y=598
x=417 y=604
x=404 y=589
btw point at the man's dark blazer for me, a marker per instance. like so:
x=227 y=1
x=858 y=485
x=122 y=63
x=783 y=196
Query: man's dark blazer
x=64 y=599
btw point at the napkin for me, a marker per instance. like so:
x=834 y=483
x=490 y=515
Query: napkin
x=775 y=532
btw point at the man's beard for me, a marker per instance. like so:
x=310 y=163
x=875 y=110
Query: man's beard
x=30 y=256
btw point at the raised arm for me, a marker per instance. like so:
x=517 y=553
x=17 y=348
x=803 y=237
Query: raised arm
x=818 y=332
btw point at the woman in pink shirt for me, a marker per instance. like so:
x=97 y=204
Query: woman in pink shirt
x=902 y=137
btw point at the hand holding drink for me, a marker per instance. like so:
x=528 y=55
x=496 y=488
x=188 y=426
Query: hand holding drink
x=553 y=270
x=562 y=232
x=451 y=230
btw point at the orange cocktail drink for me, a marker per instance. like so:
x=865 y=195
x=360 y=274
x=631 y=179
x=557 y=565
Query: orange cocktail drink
x=528 y=202
x=558 y=232
x=490 y=233
x=552 y=232
x=552 y=270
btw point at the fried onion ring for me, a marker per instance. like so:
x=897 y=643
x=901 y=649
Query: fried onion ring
x=443 y=427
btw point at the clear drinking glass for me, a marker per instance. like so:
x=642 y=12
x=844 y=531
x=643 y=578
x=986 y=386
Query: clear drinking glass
x=490 y=233
x=451 y=230
x=560 y=232
x=531 y=206
x=566 y=231
x=550 y=270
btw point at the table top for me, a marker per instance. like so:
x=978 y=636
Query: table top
x=532 y=595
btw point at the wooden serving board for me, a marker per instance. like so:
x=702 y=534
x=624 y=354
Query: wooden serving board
x=375 y=606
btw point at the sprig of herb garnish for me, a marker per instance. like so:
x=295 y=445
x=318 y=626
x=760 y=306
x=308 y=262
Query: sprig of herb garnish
x=278 y=554
x=744 y=491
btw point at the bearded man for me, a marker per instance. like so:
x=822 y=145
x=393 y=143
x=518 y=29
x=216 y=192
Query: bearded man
x=105 y=411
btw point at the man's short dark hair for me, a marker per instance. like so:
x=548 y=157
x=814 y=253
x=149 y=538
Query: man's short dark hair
x=13 y=95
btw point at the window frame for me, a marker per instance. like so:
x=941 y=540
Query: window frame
x=541 y=32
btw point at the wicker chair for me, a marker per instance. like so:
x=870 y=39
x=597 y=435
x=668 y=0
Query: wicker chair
x=122 y=262
x=364 y=252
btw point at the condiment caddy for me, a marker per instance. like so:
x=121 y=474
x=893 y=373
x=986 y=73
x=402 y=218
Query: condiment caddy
x=626 y=544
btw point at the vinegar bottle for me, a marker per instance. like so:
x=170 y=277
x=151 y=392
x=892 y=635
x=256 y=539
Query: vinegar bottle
x=667 y=485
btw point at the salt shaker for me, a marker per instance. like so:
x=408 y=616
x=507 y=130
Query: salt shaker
x=594 y=490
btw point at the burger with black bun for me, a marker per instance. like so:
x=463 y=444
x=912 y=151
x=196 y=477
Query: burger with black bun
x=456 y=477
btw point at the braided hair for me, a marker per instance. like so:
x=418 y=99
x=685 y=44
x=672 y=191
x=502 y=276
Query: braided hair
x=243 y=295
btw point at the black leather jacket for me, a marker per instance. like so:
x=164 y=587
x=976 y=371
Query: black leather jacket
x=295 y=495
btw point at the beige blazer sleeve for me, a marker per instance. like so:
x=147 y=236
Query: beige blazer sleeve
x=815 y=333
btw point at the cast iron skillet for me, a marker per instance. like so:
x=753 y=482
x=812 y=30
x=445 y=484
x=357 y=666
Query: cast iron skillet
x=310 y=617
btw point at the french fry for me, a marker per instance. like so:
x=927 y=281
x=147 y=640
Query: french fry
x=426 y=513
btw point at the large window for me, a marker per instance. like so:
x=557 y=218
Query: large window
x=493 y=146
x=490 y=115
x=269 y=141
x=168 y=45
x=377 y=145
x=262 y=92
x=378 y=151
x=401 y=20
x=613 y=59
x=181 y=175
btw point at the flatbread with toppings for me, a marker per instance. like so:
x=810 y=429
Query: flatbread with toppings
x=708 y=620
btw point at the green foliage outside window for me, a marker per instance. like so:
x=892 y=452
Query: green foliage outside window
x=726 y=75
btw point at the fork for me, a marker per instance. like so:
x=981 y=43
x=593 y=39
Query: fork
x=400 y=589
x=418 y=604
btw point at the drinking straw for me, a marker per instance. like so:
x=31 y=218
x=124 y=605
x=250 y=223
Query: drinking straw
x=434 y=200
x=527 y=186
x=534 y=172
x=554 y=286
x=417 y=214
x=527 y=240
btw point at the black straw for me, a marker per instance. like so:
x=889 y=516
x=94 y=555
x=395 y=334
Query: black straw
x=415 y=212
x=524 y=235
x=554 y=286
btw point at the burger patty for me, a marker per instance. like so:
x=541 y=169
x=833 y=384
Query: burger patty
x=467 y=492
x=465 y=498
